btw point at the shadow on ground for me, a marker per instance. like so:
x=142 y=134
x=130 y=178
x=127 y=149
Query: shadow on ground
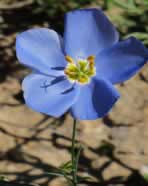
x=14 y=21
x=18 y=155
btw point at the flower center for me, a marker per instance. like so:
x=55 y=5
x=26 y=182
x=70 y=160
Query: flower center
x=80 y=71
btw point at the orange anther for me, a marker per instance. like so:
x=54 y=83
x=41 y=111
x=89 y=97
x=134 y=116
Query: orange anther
x=91 y=58
x=69 y=59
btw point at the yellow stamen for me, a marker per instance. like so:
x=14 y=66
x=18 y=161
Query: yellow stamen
x=91 y=58
x=91 y=63
x=83 y=79
x=69 y=59
x=80 y=71
x=68 y=72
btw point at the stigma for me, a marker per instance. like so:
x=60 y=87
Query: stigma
x=81 y=70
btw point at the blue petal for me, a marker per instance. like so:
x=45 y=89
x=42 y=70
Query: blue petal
x=88 y=31
x=94 y=100
x=48 y=95
x=121 y=61
x=41 y=50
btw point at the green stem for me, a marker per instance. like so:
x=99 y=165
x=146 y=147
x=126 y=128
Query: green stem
x=74 y=172
x=77 y=157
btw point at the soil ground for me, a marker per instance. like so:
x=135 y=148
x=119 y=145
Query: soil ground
x=31 y=144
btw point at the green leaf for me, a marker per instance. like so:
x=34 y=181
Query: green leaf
x=130 y=6
x=3 y=178
x=66 y=167
x=145 y=176
x=55 y=174
x=84 y=178
x=139 y=35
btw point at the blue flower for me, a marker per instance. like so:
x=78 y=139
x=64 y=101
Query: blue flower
x=77 y=73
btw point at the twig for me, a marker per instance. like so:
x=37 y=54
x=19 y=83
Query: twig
x=16 y=5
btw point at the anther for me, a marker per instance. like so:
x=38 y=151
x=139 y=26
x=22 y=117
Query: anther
x=69 y=59
x=67 y=72
x=91 y=58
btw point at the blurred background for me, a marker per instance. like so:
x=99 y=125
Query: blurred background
x=31 y=144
